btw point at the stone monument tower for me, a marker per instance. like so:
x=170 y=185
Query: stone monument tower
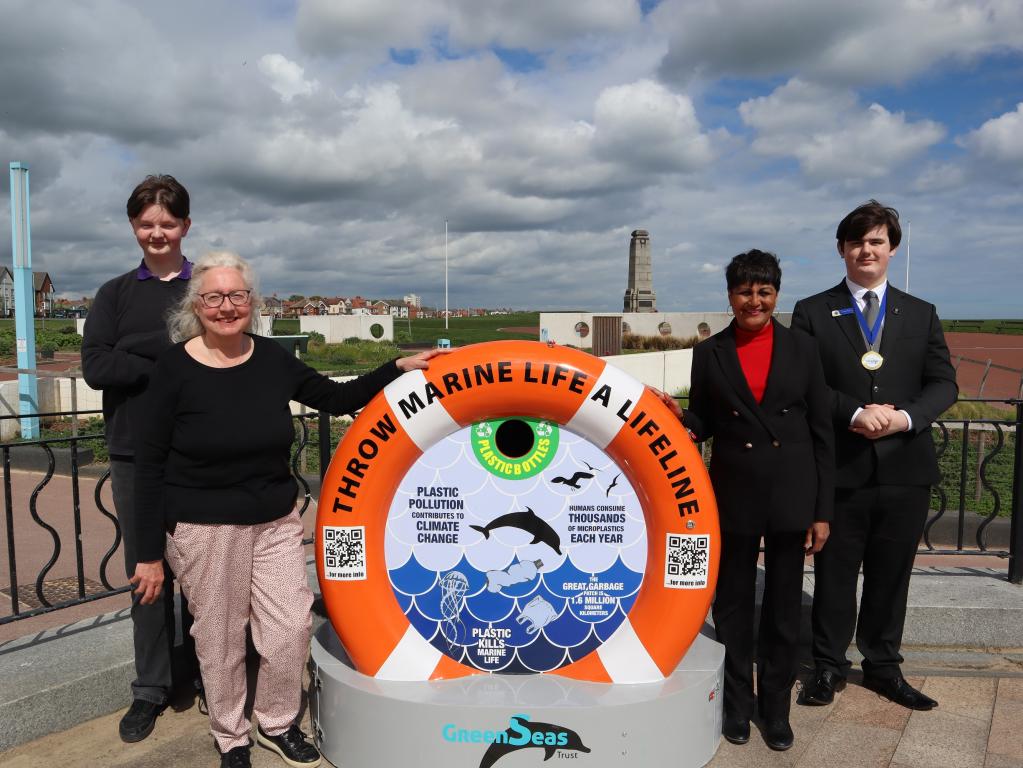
x=639 y=296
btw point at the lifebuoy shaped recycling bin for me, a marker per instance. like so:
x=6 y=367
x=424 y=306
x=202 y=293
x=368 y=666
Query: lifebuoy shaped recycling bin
x=517 y=508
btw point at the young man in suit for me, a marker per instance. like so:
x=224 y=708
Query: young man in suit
x=887 y=364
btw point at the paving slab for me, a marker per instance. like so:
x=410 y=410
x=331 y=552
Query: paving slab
x=940 y=739
x=851 y=745
x=858 y=706
x=1006 y=738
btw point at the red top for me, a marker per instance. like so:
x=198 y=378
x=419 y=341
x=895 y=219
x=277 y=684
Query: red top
x=754 y=348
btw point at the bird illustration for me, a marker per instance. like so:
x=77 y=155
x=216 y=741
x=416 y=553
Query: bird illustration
x=613 y=484
x=573 y=481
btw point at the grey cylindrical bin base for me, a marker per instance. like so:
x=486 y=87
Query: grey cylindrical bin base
x=362 y=722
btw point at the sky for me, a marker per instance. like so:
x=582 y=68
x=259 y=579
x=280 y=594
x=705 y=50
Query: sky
x=328 y=141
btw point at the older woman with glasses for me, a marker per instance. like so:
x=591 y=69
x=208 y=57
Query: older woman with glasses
x=215 y=495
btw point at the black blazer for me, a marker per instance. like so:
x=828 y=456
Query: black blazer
x=772 y=463
x=916 y=377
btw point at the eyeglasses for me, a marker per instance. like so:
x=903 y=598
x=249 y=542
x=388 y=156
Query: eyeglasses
x=214 y=299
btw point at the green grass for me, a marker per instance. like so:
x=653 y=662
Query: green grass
x=461 y=330
x=41 y=324
x=983 y=326
x=980 y=444
x=350 y=358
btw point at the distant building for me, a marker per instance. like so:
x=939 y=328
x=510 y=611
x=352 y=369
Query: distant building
x=6 y=292
x=412 y=300
x=70 y=308
x=272 y=307
x=43 y=287
x=314 y=307
x=338 y=305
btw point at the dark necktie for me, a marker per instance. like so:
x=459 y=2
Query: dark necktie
x=870 y=312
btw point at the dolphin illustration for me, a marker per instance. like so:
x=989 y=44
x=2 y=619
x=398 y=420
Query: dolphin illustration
x=573 y=481
x=555 y=737
x=526 y=521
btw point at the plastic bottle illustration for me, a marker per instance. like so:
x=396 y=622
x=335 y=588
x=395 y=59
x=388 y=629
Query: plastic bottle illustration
x=513 y=574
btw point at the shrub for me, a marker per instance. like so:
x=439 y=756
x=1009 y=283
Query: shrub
x=657 y=343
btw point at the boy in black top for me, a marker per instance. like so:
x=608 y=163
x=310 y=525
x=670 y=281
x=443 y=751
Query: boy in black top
x=124 y=333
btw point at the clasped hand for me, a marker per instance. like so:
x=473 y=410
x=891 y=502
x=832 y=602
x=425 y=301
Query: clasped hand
x=877 y=420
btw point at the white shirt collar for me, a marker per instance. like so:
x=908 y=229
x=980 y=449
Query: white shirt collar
x=858 y=290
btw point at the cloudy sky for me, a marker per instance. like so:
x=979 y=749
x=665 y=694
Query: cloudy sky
x=328 y=141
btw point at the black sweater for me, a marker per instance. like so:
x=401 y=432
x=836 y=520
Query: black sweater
x=125 y=332
x=214 y=443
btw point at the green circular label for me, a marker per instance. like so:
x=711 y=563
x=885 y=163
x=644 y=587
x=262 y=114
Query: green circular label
x=514 y=448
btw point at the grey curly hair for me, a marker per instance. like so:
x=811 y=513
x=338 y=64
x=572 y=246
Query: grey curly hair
x=183 y=321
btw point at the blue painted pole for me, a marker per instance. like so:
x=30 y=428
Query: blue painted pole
x=24 y=301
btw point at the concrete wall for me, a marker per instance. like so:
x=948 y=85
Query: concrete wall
x=667 y=371
x=337 y=328
x=54 y=395
x=559 y=327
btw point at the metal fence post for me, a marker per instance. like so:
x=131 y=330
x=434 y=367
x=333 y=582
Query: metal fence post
x=1016 y=521
x=324 y=429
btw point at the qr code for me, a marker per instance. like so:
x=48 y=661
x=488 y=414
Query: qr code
x=687 y=561
x=344 y=553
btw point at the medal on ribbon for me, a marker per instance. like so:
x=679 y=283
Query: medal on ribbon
x=872 y=360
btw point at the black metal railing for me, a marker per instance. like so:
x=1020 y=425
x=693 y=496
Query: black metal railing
x=38 y=596
x=982 y=445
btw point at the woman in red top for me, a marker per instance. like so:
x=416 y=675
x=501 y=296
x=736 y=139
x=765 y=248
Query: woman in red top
x=758 y=389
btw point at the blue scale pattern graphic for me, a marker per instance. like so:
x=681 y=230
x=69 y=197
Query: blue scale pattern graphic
x=579 y=627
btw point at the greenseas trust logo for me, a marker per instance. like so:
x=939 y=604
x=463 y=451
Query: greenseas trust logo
x=521 y=733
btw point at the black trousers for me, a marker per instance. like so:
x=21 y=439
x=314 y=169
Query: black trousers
x=778 y=634
x=877 y=527
x=153 y=625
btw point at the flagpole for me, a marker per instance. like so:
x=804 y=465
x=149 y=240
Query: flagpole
x=909 y=237
x=446 y=313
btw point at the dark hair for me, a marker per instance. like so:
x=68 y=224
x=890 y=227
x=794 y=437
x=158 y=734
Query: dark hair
x=868 y=217
x=753 y=267
x=165 y=191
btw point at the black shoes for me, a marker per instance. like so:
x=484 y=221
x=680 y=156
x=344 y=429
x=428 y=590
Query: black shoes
x=777 y=733
x=821 y=689
x=139 y=720
x=735 y=729
x=897 y=690
x=293 y=747
x=236 y=758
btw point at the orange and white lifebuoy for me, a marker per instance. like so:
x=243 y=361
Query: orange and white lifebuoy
x=587 y=397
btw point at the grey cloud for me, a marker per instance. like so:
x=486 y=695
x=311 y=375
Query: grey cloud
x=875 y=41
x=330 y=28
x=832 y=136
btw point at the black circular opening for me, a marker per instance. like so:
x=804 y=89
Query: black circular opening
x=514 y=438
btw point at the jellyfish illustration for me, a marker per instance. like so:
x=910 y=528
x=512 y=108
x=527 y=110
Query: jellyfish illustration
x=453 y=586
